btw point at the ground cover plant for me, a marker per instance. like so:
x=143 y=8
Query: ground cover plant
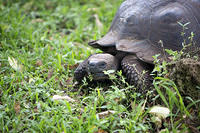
x=41 y=43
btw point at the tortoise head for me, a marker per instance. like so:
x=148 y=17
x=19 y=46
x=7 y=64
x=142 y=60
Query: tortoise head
x=98 y=63
x=139 y=25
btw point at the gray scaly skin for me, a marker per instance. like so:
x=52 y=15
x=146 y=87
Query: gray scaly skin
x=137 y=73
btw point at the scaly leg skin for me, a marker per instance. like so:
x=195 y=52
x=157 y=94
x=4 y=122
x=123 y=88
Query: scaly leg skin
x=81 y=71
x=137 y=73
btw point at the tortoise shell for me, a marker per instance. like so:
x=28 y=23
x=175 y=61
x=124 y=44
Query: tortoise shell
x=139 y=25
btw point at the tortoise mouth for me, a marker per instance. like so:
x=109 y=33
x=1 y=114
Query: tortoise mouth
x=99 y=76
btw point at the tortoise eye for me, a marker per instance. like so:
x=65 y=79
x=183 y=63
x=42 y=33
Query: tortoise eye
x=132 y=20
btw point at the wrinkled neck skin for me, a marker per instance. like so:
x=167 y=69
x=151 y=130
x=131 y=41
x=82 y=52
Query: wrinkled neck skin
x=121 y=55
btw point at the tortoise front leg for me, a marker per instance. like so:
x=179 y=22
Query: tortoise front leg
x=137 y=72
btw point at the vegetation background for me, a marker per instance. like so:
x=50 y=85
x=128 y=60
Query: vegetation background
x=41 y=42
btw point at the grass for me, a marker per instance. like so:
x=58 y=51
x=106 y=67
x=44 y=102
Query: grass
x=47 y=39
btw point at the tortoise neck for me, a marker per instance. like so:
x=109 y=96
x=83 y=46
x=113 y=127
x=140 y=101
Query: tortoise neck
x=120 y=55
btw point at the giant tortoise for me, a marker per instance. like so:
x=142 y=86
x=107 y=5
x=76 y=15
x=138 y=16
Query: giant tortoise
x=134 y=36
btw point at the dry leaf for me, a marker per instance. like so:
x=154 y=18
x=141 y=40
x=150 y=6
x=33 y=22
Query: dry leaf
x=38 y=20
x=143 y=106
x=161 y=112
x=69 y=81
x=50 y=73
x=92 y=9
x=73 y=66
x=77 y=44
x=17 y=107
x=105 y=113
x=177 y=131
x=51 y=38
x=163 y=131
x=56 y=78
x=14 y=64
x=35 y=110
x=117 y=100
x=57 y=97
x=157 y=121
x=31 y=80
x=101 y=131
x=39 y=63
x=98 y=22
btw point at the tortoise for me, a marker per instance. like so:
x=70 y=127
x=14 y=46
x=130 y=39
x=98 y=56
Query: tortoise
x=140 y=30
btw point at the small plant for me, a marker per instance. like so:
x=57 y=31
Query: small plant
x=168 y=91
